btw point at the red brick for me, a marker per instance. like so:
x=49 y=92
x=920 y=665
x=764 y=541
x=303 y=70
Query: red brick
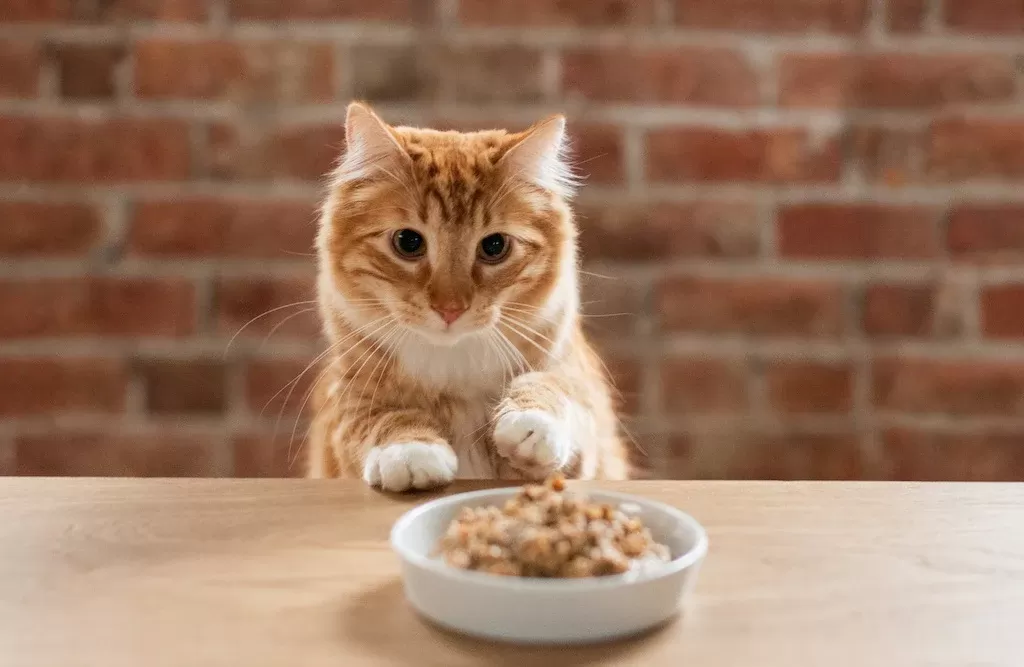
x=104 y=306
x=737 y=454
x=810 y=386
x=116 y=454
x=906 y=15
x=223 y=228
x=899 y=310
x=954 y=387
x=87 y=151
x=492 y=74
x=102 y=11
x=8 y=463
x=267 y=455
x=36 y=11
x=894 y=80
x=125 y=11
x=761 y=155
x=976 y=148
x=239 y=300
x=421 y=72
x=299 y=152
x=193 y=386
x=934 y=456
x=88 y=70
x=981 y=232
x=312 y=10
x=563 y=13
x=275 y=387
x=397 y=72
x=764 y=306
x=1002 y=311
x=36 y=386
x=702 y=386
x=716 y=77
x=985 y=16
x=858 y=231
x=838 y=16
x=47 y=229
x=888 y=155
x=598 y=152
x=254 y=71
x=20 y=61
x=638 y=231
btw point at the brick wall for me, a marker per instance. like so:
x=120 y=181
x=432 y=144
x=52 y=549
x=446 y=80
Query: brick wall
x=804 y=224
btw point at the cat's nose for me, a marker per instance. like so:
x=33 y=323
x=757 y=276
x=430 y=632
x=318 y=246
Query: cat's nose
x=449 y=312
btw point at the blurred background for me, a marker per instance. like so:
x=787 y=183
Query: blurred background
x=803 y=226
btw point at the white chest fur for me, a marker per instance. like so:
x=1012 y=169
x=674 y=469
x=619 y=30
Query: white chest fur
x=475 y=371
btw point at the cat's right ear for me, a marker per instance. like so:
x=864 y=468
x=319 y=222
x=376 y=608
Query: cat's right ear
x=369 y=143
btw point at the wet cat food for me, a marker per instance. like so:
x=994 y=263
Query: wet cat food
x=547 y=531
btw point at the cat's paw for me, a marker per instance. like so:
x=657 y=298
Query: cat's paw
x=410 y=465
x=533 y=441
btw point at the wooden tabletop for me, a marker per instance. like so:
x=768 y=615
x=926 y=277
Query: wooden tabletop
x=111 y=573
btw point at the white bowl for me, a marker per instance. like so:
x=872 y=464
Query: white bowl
x=546 y=611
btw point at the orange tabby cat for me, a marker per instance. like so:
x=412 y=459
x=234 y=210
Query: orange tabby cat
x=448 y=290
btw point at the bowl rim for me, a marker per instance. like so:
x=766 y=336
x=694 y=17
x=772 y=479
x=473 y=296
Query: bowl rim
x=685 y=560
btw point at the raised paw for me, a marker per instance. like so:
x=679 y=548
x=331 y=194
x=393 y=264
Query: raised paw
x=533 y=441
x=410 y=465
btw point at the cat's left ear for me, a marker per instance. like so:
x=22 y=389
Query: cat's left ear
x=538 y=156
x=369 y=142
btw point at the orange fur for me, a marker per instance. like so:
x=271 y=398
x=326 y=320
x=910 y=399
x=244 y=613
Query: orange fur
x=511 y=389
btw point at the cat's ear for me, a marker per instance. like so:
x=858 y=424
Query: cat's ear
x=538 y=155
x=369 y=142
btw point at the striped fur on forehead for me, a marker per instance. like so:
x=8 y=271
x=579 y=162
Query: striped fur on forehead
x=456 y=174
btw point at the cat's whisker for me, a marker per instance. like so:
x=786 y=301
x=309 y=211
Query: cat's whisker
x=261 y=316
x=523 y=364
x=528 y=313
x=305 y=436
x=599 y=275
x=390 y=322
x=282 y=323
x=507 y=372
x=530 y=329
x=527 y=338
x=320 y=376
x=365 y=359
x=318 y=358
x=397 y=334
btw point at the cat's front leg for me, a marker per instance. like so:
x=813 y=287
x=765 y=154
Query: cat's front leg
x=537 y=423
x=405 y=450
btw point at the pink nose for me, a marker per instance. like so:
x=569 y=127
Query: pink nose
x=449 y=312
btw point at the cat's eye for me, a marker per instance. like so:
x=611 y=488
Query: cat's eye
x=494 y=248
x=408 y=243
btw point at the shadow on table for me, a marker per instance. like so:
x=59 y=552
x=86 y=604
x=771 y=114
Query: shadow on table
x=382 y=621
x=460 y=486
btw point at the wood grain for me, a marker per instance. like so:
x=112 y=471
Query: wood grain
x=288 y=572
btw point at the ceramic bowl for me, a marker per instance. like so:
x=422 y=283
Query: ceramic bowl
x=547 y=611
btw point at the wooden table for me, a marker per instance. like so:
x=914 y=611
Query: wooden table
x=111 y=573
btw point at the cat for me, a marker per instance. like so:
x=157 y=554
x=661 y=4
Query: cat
x=448 y=291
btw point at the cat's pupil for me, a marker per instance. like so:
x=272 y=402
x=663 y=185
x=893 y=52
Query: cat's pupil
x=493 y=245
x=408 y=241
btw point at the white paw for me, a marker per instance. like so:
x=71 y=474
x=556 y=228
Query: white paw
x=410 y=465
x=532 y=440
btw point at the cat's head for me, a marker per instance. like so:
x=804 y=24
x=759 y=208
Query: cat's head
x=447 y=234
